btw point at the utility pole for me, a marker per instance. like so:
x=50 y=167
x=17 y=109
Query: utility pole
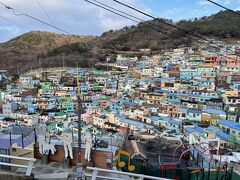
x=17 y=70
x=238 y=112
x=79 y=157
x=117 y=86
x=63 y=62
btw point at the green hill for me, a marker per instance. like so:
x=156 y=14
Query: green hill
x=44 y=49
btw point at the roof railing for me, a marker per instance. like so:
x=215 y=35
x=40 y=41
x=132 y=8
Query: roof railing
x=95 y=175
x=29 y=167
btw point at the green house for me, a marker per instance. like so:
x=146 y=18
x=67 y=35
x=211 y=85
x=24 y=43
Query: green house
x=67 y=106
x=96 y=86
x=46 y=85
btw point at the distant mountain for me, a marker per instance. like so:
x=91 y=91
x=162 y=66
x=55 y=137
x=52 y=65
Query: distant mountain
x=24 y=52
x=221 y=26
x=45 y=49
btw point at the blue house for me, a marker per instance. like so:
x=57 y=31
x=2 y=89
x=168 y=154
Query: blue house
x=194 y=115
x=230 y=127
x=32 y=108
x=115 y=106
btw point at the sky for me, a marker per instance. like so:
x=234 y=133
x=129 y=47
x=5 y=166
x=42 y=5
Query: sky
x=81 y=18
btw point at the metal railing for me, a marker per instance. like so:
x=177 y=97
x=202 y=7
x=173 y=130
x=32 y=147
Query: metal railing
x=29 y=167
x=94 y=175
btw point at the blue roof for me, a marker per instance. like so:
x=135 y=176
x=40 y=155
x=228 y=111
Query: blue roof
x=164 y=118
x=194 y=111
x=214 y=128
x=173 y=121
x=180 y=94
x=161 y=91
x=129 y=103
x=222 y=135
x=174 y=101
x=137 y=124
x=190 y=129
x=183 y=110
x=196 y=128
x=214 y=111
x=155 y=118
x=230 y=124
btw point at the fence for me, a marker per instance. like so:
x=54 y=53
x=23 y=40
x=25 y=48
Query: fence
x=109 y=175
x=29 y=167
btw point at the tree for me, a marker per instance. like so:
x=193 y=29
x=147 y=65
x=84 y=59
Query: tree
x=160 y=144
x=232 y=141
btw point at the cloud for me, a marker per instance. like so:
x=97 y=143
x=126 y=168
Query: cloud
x=203 y=2
x=81 y=18
x=74 y=16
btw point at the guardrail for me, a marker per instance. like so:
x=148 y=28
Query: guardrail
x=95 y=175
x=29 y=166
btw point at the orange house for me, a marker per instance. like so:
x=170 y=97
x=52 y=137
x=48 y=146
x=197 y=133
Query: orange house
x=231 y=60
x=60 y=92
x=211 y=60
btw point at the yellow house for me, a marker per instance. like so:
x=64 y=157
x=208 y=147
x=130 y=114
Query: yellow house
x=206 y=117
x=154 y=98
x=136 y=74
x=42 y=104
x=177 y=85
x=231 y=93
x=111 y=118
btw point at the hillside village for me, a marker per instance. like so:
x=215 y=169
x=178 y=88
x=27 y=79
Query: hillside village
x=189 y=95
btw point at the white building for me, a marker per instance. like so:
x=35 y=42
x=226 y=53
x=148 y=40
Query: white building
x=158 y=71
x=9 y=108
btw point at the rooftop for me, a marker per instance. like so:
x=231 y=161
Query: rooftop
x=230 y=124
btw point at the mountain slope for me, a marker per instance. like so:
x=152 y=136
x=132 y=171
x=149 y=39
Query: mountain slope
x=44 y=49
x=22 y=53
x=221 y=25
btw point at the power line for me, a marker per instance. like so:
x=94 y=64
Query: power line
x=184 y=30
x=13 y=22
x=219 y=5
x=17 y=13
x=151 y=25
x=149 y=15
x=136 y=18
x=126 y=4
x=112 y=11
x=127 y=14
x=133 y=17
x=45 y=12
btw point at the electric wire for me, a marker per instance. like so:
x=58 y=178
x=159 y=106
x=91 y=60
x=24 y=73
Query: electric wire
x=44 y=11
x=18 y=13
x=184 y=30
x=161 y=21
x=150 y=24
x=111 y=10
x=228 y=9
